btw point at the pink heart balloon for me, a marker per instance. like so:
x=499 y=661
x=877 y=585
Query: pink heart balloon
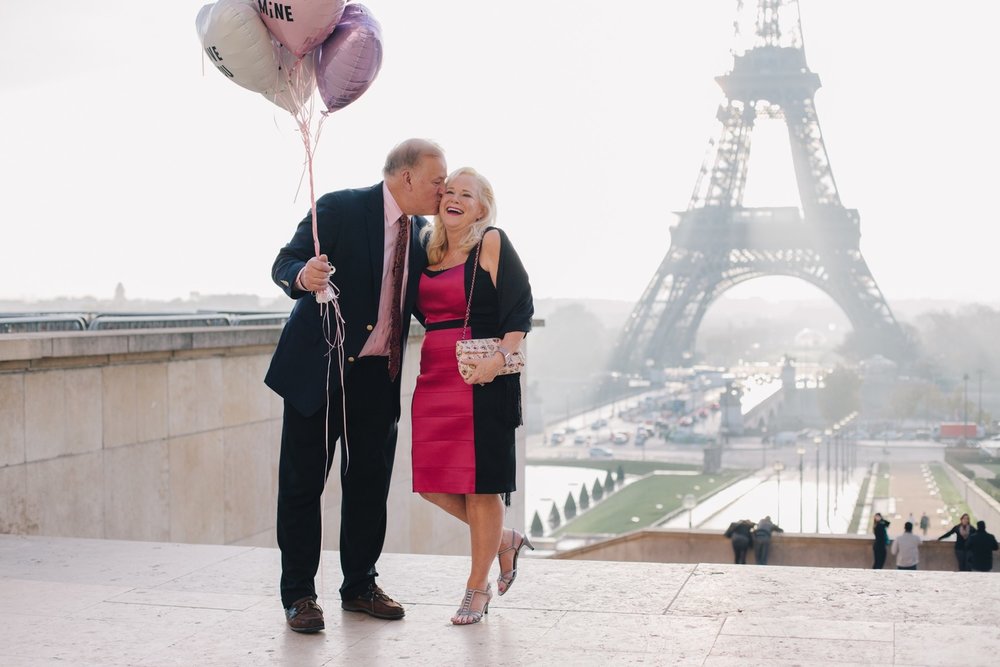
x=301 y=25
x=350 y=58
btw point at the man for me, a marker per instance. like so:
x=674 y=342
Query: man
x=980 y=547
x=925 y=523
x=360 y=232
x=762 y=539
x=906 y=548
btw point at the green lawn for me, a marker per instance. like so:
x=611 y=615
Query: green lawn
x=950 y=496
x=614 y=513
x=630 y=467
x=859 y=507
x=992 y=467
x=882 y=481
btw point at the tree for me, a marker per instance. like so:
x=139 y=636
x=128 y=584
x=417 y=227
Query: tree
x=566 y=364
x=609 y=482
x=569 y=509
x=537 y=530
x=598 y=491
x=584 y=497
x=917 y=398
x=554 y=518
x=841 y=394
x=621 y=475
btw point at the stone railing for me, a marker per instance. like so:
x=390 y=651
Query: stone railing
x=171 y=435
x=661 y=545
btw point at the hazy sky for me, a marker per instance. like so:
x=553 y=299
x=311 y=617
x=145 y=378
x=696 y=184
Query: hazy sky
x=125 y=156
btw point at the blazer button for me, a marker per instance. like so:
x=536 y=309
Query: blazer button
x=369 y=327
x=350 y=359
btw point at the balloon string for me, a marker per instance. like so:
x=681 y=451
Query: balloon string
x=329 y=299
x=303 y=118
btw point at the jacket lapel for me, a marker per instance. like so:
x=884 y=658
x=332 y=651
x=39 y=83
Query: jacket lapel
x=375 y=222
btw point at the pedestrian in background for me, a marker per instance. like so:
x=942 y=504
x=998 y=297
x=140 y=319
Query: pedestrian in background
x=739 y=532
x=881 y=541
x=981 y=546
x=762 y=539
x=906 y=548
x=925 y=523
x=962 y=531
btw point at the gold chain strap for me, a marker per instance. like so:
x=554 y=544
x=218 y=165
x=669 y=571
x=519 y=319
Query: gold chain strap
x=468 y=308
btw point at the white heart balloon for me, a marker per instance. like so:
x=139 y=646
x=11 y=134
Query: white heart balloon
x=239 y=44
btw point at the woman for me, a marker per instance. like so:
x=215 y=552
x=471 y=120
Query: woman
x=463 y=429
x=962 y=531
x=880 y=527
x=739 y=532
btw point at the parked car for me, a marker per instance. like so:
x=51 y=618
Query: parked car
x=620 y=438
x=785 y=438
x=581 y=439
x=601 y=453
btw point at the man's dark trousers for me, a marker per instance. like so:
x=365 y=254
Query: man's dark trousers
x=366 y=467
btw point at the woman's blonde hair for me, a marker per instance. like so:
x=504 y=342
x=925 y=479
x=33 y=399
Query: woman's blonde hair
x=437 y=239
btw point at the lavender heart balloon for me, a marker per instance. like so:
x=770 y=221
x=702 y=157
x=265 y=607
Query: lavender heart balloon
x=350 y=58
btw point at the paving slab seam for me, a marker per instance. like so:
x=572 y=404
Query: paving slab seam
x=715 y=640
x=242 y=552
x=555 y=624
x=680 y=588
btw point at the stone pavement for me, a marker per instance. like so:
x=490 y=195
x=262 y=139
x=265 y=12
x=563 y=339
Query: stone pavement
x=101 y=602
x=913 y=489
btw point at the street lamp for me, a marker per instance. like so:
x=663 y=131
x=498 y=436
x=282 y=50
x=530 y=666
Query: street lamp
x=829 y=445
x=801 y=452
x=689 y=503
x=819 y=441
x=778 y=467
x=965 y=404
x=763 y=446
x=979 y=414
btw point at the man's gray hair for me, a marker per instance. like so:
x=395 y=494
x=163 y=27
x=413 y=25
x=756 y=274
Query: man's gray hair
x=407 y=154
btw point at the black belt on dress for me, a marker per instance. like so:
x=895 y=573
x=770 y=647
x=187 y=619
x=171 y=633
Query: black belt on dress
x=444 y=324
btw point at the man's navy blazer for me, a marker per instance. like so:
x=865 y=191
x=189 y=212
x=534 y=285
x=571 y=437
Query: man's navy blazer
x=351 y=230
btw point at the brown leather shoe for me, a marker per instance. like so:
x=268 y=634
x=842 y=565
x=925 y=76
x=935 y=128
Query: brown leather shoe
x=375 y=602
x=305 y=616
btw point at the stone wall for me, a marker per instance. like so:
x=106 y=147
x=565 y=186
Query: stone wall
x=663 y=545
x=171 y=435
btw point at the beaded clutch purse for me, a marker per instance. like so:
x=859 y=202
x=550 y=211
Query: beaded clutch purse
x=478 y=349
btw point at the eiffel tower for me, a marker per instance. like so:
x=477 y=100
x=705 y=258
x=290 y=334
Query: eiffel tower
x=719 y=243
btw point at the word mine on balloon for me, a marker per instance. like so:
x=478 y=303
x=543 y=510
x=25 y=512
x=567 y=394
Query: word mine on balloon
x=273 y=10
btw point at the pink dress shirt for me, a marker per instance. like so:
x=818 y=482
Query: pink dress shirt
x=377 y=344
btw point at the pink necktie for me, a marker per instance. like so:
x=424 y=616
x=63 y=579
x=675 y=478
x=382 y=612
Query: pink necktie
x=396 y=315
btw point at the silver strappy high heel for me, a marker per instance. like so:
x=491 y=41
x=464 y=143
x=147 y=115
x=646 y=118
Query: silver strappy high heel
x=466 y=615
x=506 y=579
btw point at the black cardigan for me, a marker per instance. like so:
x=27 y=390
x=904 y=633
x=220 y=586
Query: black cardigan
x=959 y=540
x=508 y=306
